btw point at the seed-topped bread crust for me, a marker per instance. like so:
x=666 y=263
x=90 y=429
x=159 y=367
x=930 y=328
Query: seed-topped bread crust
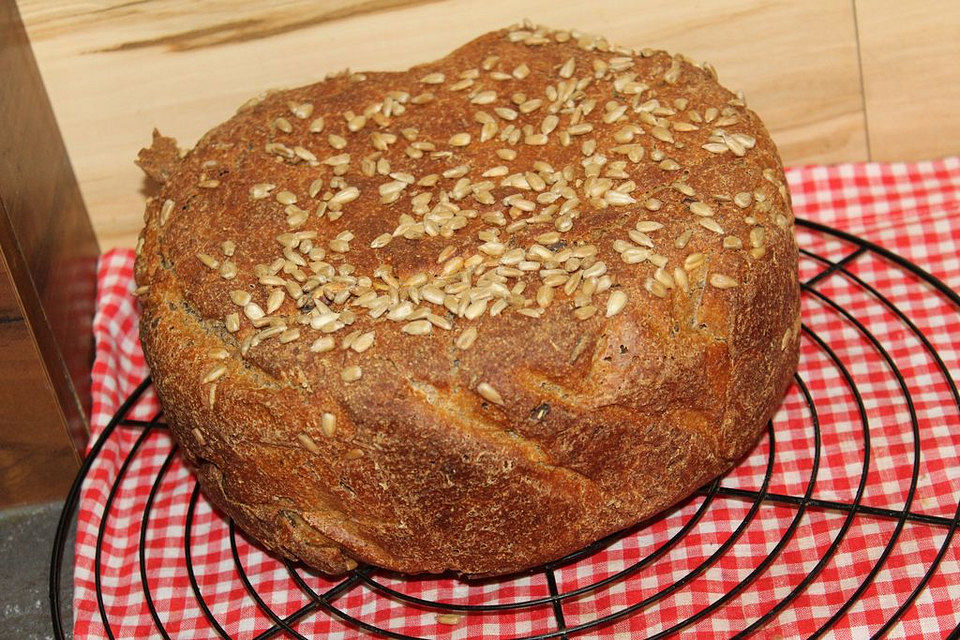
x=474 y=315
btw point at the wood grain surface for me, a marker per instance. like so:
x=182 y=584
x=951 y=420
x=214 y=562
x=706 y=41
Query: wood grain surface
x=115 y=69
x=47 y=285
x=37 y=459
x=910 y=53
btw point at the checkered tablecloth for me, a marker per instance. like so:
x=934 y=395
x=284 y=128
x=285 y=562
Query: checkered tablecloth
x=725 y=554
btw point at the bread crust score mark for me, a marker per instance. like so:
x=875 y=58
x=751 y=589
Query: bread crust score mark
x=474 y=315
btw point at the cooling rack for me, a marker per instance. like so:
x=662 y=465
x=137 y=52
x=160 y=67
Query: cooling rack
x=890 y=482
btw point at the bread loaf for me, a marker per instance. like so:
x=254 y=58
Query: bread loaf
x=474 y=315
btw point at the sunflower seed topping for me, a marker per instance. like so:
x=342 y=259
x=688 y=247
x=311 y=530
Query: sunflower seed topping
x=503 y=226
x=351 y=373
x=487 y=392
x=328 y=424
x=308 y=443
x=616 y=303
x=721 y=281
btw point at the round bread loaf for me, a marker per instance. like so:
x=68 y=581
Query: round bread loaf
x=474 y=315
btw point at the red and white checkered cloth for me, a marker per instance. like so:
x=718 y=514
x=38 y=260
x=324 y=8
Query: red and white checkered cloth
x=911 y=209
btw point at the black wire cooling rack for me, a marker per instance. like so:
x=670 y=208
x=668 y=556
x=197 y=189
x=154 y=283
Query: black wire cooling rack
x=366 y=577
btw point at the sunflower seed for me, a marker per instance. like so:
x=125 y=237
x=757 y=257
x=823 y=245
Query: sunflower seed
x=283 y=125
x=655 y=287
x=710 y=224
x=661 y=133
x=701 y=209
x=308 y=443
x=466 y=338
x=449 y=618
x=732 y=242
x=694 y=261
x=274 y=300
x=215 y=373
x=585 y=312
x=484 y=97
x=680 y=277
x=721 y=281
x=418 y=328
x=548 y=124
x=328 y=424
x=459 y=139
x=433 y=78
x=290 y=335
x=253 y=311
x=345 y=196
x=351 y=373
x=616 y=302
x=381 y=241
x=363 y=342
x=734 y=145
x=487 y=392
x=521 y=71
x=323 y=344
x=208 y=260
x=165 y=211
x=648 y=226
x=286 y=197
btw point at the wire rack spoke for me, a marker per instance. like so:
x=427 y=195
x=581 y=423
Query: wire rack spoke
x=279 y=623
x=191 y=573
x=98 y=557
x=284 y=623
x=941 y=366
x=834 y=505
x=833 y=266
x=370 y=582
x=144 y=526
x=644 y=562
x=557 y=603
x=784 y=539
x=694 y=573
x=154 y=423
x=304 y=611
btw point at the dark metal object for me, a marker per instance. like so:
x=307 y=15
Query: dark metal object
x=364 y=577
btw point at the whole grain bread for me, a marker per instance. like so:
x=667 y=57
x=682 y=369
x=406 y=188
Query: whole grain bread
x=474 y=315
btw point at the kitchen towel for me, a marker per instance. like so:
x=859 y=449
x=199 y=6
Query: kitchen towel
x=870 y=398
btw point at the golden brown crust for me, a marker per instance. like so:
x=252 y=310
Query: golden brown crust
x=550 y=429
x=160 y=159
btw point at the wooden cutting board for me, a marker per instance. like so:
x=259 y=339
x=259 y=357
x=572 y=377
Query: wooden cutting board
x=834 y=80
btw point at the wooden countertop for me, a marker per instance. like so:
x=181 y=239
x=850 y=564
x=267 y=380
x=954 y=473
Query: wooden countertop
x=835 y=80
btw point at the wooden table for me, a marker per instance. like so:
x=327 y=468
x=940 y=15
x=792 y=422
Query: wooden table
x=835 y=80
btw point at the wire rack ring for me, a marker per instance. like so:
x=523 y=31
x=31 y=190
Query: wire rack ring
x=561 y=593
